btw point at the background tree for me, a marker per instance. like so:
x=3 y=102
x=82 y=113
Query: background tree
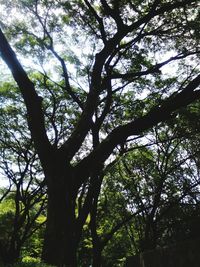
x=123 y=44
x=148 y=192
x=23 y=198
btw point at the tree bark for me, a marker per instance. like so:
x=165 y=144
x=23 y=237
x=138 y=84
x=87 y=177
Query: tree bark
x=9 y=255
x=60 y=243
x=97 y=256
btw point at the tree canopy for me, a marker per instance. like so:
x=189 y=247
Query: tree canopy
x=94 y=78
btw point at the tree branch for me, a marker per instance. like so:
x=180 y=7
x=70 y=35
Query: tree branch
x=153 y=69
x=32 y=101
x=157 y=114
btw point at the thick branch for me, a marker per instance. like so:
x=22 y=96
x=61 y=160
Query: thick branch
x=155 y=12
x=85 y=122
x=99 y=20
x=32 y=101
x=114 y=13
x=153 y=117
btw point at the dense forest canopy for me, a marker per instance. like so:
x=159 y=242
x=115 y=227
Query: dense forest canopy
x=99 y=126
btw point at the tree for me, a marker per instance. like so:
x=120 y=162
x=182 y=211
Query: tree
x=162 y=180
x=146 y=194
x=126 y=40
x=24 y=199
x=108 y=218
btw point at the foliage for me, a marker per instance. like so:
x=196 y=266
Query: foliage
x=28 y=263
x=150 y=196
x=92 y=84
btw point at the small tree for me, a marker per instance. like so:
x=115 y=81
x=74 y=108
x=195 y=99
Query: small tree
x=23 y=200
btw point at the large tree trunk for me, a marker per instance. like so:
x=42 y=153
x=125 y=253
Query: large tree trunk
x=9 y=255
x=97 y=257
x=60 y=243
x=10 y=251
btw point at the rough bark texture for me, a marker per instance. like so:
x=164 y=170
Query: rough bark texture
x=9 y=256
x=97 y=257
x=60 y=238
x=60 y=243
